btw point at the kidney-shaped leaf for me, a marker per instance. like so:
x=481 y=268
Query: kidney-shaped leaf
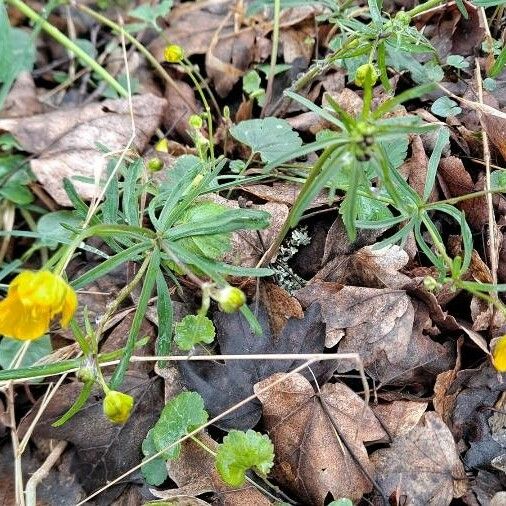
x=272 y=138
x=180 y=416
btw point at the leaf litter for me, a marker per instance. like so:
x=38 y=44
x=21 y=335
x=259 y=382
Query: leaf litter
x=434 y=431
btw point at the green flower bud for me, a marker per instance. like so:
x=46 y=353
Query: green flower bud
x=403 y=17
x=173 y=53
x=362 y=74
x=155 y=164
x=431 y=284
x=117 y=406
x=87 y=372
x=230 y=298
x=195 y=121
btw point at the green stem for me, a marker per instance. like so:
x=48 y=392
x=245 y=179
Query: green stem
x=142 y=49
x=289 y=222
x=419 y=9
x=461 y=198
x=274 y=56
x=69 y=44
x=439 y=245
x=187 y=65
x=100 y=230
x=41 y=371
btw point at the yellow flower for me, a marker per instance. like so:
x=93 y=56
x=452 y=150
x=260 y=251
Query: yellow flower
x=117 y=406
x=499 y=353
x=173 y=53
x=33 y=300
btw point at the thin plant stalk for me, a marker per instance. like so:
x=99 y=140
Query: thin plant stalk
x=69 y=45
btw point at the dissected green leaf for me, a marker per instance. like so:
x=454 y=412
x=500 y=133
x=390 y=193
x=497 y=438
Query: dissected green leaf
x=241 y=451
x=155 y=471
x=14 y=178
x=251 y=82
x=17 y=193
x=343 y=501
x=193 y=330
x=180 y=416
x=272 y=138
x=252 y=85
x=87 y=46
x=489 y=3
x=489 y=84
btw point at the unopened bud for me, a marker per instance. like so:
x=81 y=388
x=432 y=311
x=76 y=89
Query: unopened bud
x=431 y=284
x=195 y=121
x=155 y=164
x=230 y=298
x=365 y=72
x=117 y=406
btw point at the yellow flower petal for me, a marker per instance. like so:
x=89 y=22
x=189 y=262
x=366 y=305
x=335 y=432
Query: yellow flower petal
x=499 y=353
x=69 y=307
x=18 y=323
x=33 y=300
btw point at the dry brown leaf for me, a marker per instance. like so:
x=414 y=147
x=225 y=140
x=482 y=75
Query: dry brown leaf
x=65 y=141
x=496 y=130
x=399 y=417
x=194 y=473
x=177 y=112
x=338 y=244
x=422 y=467
x=283 y=193
x=227 y=62
x=298 y=42
x=22 y=100
x=247 y=247
x=324 y=292
x=348 y=100
x=458 y=182
x=184 y=500
x=193 y=25
x=415 y=169
x=382 y=326
x=445 y=29
x=308 y=122
x=97 y=440
x=314 y=436
x=379 y=268
x=280 y=306
x=210 y=28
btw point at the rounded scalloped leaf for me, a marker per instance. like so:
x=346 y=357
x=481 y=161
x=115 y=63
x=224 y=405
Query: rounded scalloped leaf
x=241 y=451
